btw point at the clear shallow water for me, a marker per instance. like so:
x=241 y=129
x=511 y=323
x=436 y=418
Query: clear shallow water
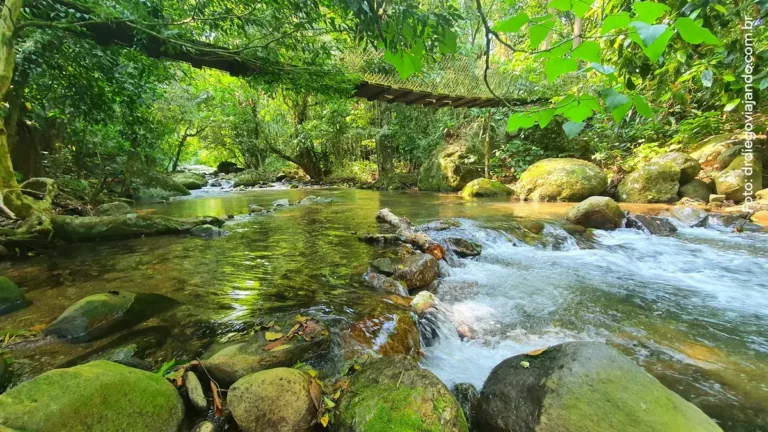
x=691 y=309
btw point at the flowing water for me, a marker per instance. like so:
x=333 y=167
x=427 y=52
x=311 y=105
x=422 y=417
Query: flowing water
x=691 y=309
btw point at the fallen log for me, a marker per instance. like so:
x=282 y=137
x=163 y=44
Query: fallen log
x=74 y=228
x=406 y=231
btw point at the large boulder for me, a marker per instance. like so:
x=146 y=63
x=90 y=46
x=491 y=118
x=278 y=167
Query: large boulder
x=695 y=189
x=250 y=177
x=113 y=209
x=395 y=394
x=417 y=270
x=227 y=167
x=189 y=180
x=207 y=231
x=270 y=347
x=11 y=296
x=585 y=387
x=92 y=316
x=449 y=168
x=717 y=152
x=688 y=166
x=743 y=178
x=596 y=212
x=153 y=185
x=651 y=183
x=483 y=187
x=100 y=396
x=274 y=400
x=561 y=179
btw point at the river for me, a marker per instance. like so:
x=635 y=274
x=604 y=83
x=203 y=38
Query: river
x=691 y=309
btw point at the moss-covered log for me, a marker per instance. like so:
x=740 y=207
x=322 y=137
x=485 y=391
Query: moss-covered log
x=72 y=228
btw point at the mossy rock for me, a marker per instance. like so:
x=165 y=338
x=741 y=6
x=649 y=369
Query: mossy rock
x=651 y=224
x=11 y=296
x=73 y=228
x=653 y=182
x=395 y=394
x=585 y=387
x=113 y=209
x=190 y=181
x=417 y=270
x=741 y=177
x=449 y=168
x=561 y=179
x=156 y=185
x=100 y=396
x=274 y=400
x=689 y=167
x=695 y=189
x=485 y=188
x=92 y=316
x=596 y=212
x=463 y=247
x=228 y=362
x=250 y=177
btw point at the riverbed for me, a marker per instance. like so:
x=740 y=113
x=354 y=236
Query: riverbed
x=692 y=309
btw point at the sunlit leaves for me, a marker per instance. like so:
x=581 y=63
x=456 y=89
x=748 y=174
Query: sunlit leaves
x=448 y=43
x=579 y=7
x=692 y=32
x=406 y=63
x=588 y=51
x=512 y=24
x=615 y=21
x=731 y=104
x=648 y=33
x=572 y=129
x=649 y=12
x=613 y=99
x=642 y=106
x=557 y=66
x=545 y=117
x=652 y=38
x=539 y=31
x=621 y=111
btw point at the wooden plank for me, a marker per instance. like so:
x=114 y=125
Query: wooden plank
x=474 y=103
x=394 y=94
x=419 y=100
x=408 y=96
x=436 y=101
x=377 y=95
x=463 y=103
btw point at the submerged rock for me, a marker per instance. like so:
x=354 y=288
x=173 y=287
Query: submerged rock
x=275 y=400
x=423 y=302
x=92 y=316
x=483 y=187
x=463 y=247
x=585 y=387
x=113 y=209
x=651 y=183
x=396 y=394
x=207 y=231
x=417 y=270
x=73 y=228
x=266 y=349
x=596 y=212
x=449 y=168
x=695 y=189
x=741 y=179
x=311 y=199
x=384 y=333
x=561 y=179
x=254 y=209
x=281 y=203
x=11 y=296
x=467 y=395
x=651 y=224
x=98 y=396
x=689 y=216
x=384 y=266
x=385 y=283
x=688 y=166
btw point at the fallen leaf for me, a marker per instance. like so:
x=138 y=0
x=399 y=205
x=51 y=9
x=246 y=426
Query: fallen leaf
x=270 y=324
x=525 y=364
x=324 y=420
x=293 y=329
x=316 y=393
x=271 y=336
x=38 y=328
x=301 y=319
x=276 y=345
x=218 y=409
x=328 y=403
x=536 y=352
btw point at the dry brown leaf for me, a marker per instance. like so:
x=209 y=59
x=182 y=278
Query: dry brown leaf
x=316 y=393
x=536 y=351
x=271 y=346
x=218 y=409
x=293 y=330
x=38 y=328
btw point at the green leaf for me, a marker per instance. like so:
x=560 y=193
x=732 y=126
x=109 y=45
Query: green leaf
x=642 y=107
x=581 y=7
x=619 y=113
x=579 y=113
x=513 y=24
x=591 y=102
x=572 y=129
x=603 y=69
x=721 y=9
x=614 y=99
x=658 y=47
x=406 y=63
x=707 y=77
x=649 y=12
x=588 y=51
x=615 y=21
x=733 y=103
x=545 y=117
x=693 y=33
x=562 y=5
x=538 y=32
x=527 y=120
x=648 y=33
x=448 y=44
x=763 y=84
x=557 y=66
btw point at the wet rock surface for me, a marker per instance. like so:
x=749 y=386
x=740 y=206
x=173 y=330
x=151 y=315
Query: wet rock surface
x=651 y=224
x=11 y=296
x=596 y=212
x=653 y=182
x=463 y=247
x=417 y=270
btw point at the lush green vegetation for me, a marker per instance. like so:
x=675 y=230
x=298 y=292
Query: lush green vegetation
x=100 y=94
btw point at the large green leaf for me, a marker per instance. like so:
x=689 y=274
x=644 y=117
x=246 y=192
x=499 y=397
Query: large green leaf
x=572 y=128
x=642 y=106
x=589 y=51
x=406 y=63
x=538 y=33
x=615 y=21
x=649 y=12
x=512 y=24
x=579 y=113
x=545 y=117
x=732 y=104
x=621 y=111
x=657 y=48
x=613 y=99
x=561 y=5
x=648 y=33
x=559 y=66
x=581 y=7
x=693 y=33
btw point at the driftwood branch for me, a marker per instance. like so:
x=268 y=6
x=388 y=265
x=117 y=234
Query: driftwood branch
x=5 y=209
x=405 y=230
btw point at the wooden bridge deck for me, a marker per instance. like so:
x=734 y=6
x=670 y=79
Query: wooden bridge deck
x=385 y=93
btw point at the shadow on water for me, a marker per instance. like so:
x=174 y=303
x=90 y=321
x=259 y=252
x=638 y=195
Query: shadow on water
x=691 y=309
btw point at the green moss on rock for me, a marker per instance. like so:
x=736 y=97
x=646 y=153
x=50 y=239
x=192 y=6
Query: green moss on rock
x=653 y=182
x=449 y=168
x=596 y=212
x=11 y=296
x=689 y=167
x=99 y=396
x=485 y=188
x=190 y=181
x=394 y=394
x=561 y=179
x=695 y=189
x=585 y=387
x=733 y=181
x=73 y=228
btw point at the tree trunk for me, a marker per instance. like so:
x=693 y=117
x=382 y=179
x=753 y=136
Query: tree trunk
x=487 y=158
x=179 y=149
x=577 y=32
